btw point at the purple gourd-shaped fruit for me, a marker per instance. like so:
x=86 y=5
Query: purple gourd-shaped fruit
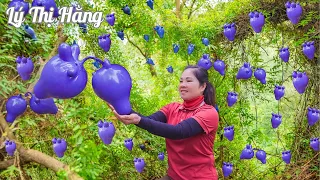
x=150 y=61
x=120 y=34
x=284 y=54
x=42 y=106
x=59 y=146
x=229 y=132
x=205 y=62
x=170 y=69
x=279 y=92
x=106 y=131
x=300 y=81
x=229 y=31
x=104 y=42
x=63 y=76
x=30 y=32
x=18 y=4
x=110 y=18
x=219 y=66
x=10 y=147
x=286 y=156
x=139 y=164
x=260 y=74
x=294 y=11
x=276 y=120
x=150 y=4
x=308 y=49
x=128 y=143
x=247 y=152
x=257 y=21
x=24 y=67
x=15 y=107
x=313 y=116
x=160 y=31
x=261 y=155
x=47 y=4
x=146 y=37
x=190 y=48
x=205 y=41
x=161 y=156
x=245 y=72
x=176 y=48
x=232 y=98
x=112 y=83
x=227 y=169
x=314 y=144
x=126 y=10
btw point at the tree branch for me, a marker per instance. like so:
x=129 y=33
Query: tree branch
x=191 y=9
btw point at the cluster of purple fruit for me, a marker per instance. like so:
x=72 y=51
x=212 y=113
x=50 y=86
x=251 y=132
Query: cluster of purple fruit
x=248 y=153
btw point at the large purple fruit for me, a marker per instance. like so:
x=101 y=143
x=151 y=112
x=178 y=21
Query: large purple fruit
x=279 y=92
x=284 y=54
x=314 y=144
x=205 y=41
x=161 y=156
x=205 y=62
x=139 y=164
x=257 y=21
x=24 y=67
x=59 y=146
x=112 y=83
x=104 y=42
x=313 y=116
x=227 y=169
x=106 y=131
x=229 y=31
x=261 y=155
x=190 y=48
x=176 y=48
x=294 y=11
x=232 y=98
x=17 y=4
x=47 y=4
x=128 y=143
x=42 y=106
x=10 y=147
x=308 y=49
x=286 y=156
x=245 y=72
x=276 y=120
x=260 y=74
x=300 y=81
x=229 y=132
x=110 y=18
x=219 y=66
x=247 y=152
x=15 y=106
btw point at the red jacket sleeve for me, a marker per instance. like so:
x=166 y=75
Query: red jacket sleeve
x=208 y=119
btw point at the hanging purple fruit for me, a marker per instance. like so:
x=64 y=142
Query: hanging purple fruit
x=232 y=98
x=176 y=48
x=104 y=42
x=159 y=30
x=245 y=72
x=30 y=32
x=106 y=131
x=112 y=83
x=284 y=54
x=229 y=31
x=247 y=152
x=24 y=67
x=17 y=4
x=139 y=164
x=126 y=10
x=120 y=34
x=83 y=27
x=261 y=156
x=229 y=132
x=205 y=41
x=128 y=143
x=110 y=18
x=146 y=37
x=227 y=169
x=15 y=107
x=313 y=116
x=314 y=144
x=205 y=62
x=42 y=106
x=294 y=11
x=300 y=81
x=70 y=77
x=161 y=156
x=190 y=48
x=219 y=66
x=308 y=49
x=59 y=146
x=150 y=61
x=47 y=4
x=286 y=156
x=170 y=69
x=257 y=21
x=10 y=147
x=260 y=74
x=150 y=4
x=276 y=120
x=279 y=92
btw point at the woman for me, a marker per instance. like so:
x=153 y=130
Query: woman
x=189 y=128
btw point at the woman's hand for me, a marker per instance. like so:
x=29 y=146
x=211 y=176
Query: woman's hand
x=125 y=119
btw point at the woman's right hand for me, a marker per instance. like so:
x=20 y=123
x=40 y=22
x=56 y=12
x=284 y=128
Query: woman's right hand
x=125 y=119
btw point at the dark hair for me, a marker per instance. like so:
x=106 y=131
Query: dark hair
x=202 y=75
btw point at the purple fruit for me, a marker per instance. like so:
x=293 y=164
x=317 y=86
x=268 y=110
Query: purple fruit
x=232 y=98
x=229 y=132
x=205 y=41
x=205 y=62
x=300 y=81
x=276 y=120
x=30 y=32
x=308 y=49
x=139 y=164
x=247 y=152
x=159 y=30
x=245 y=72
x=146 y=37
x=24 y=67
x=59 y=146
x=229 y=31
x=42 y=106
x=120 y=34
x=112 y=83
x=261 y=155
x=190 y=48
x=314 y=144
x=257 y=21
x=150 y=4
x=286 y=156
x=279 y=92
x=104 y=42
x=10 y=147
x=313 y=116
x=63 y=76
x=260 y=74
x=106 y=131
x=161 y=156
x=128 y=143
x=15 y=107
x=219 y=66
x=227 y=169
x=150 y=61
x=175 y=48
x=170 y=69
x=47 y=4
x=17 y=4
x=126 y=10
x=294 y=11
x=110 y=18
x=284 y=54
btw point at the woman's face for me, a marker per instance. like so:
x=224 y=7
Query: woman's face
x=189 y=86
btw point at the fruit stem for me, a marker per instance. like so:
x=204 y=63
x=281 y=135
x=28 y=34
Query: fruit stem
x=90 y=57
x=27 y=94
